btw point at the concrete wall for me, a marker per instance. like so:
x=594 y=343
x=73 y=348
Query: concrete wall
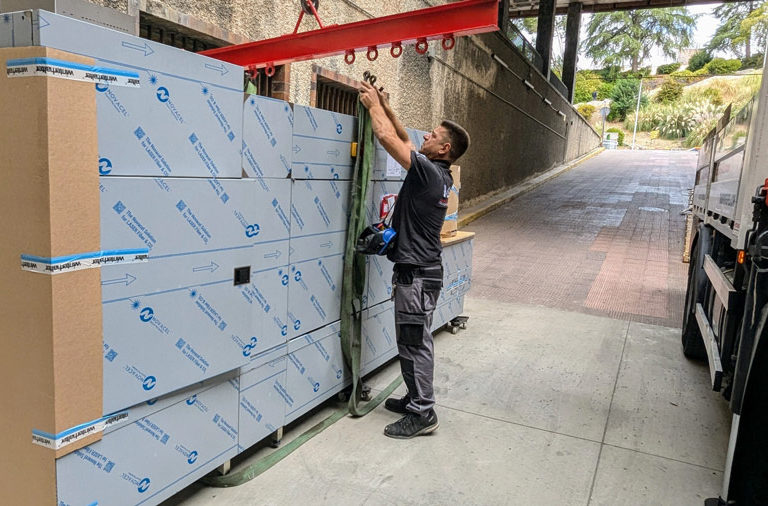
x=515 y=133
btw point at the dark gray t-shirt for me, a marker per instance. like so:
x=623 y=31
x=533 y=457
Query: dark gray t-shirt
x=420 y=211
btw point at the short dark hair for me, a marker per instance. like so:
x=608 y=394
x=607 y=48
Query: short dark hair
x=457 y=137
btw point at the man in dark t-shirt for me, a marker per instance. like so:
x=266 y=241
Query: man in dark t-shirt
x=418 y=273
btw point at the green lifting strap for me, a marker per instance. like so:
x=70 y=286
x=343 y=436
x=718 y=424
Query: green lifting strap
x=353 y=280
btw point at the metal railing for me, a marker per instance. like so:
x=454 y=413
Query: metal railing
x=521 y=43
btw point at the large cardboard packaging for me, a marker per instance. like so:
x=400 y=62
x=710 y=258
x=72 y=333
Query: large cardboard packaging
x=50 y=345
x=451 y=224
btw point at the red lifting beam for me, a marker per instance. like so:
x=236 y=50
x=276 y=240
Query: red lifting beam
x=443 y=22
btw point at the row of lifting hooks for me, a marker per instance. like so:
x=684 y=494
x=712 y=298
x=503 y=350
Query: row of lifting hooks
x=422 y=46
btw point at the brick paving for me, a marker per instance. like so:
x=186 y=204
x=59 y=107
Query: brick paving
x=605 y=238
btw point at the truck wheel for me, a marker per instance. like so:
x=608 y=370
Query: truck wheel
x=693 y=344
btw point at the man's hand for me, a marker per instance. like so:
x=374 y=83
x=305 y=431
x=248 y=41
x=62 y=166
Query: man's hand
x=369 y=96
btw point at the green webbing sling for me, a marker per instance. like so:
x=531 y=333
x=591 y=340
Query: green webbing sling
x=353 y=280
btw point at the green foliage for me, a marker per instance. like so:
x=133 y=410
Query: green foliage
x=742 y=27
x=722 y=66
x=604 y=90
x=701 y=72
x=669 y=92
x=586 y=110
x=688 y=119
x=753 y=62
x=682 y=73
x=698 y=60
x=624 y=98
x=618 y=131
x=630 y=36
x=586 y=82
x=667 y=68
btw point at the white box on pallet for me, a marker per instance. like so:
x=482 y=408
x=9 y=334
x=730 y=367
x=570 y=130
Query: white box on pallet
x=179 y=317
x=322 y=144
x=262 y=409
x=156 y=456
x=185 y=118
x=127 y=416
x=314 y=294
x=316 y=370
x=378 y=340
x=319 y=218
x=267 y=137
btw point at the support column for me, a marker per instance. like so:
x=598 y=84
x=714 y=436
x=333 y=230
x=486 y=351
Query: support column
x=545 y=33
x=503 y=15
x=571 y=47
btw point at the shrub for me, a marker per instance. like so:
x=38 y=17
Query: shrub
x=618 y=131
x=698 y=60
x=682 y=73
x=624 y=96
x=753 y=62
x=586 y=83
x=722 y=66
x=586 y=110
x=667 y=68
x=670 y=91
x=604 y=90
x=701 y=72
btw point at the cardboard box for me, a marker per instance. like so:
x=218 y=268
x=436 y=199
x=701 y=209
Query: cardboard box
x=184 y=119
x=50 y=361
x=451 y=224
x=157 y=455
x=322 y=143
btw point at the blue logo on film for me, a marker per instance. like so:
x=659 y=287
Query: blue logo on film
x=151 y=402
x=338 y=128
x=192 y=457
x=143 y=485
x=284 y=280
x=146 y=314
x=101 y=88
x=105 y=166
x=297 y=276
x=284 y=330
x=252 y=230
x=338 y=373
x=248 y=348
x=149 y=383
x=162 y=94
x=316 y=387
x=191 y=400
x=297 y=325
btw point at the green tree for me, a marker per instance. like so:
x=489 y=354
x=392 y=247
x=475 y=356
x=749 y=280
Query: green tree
x=624 y=98
x=756 y=24
x=699 y=60
x=617 y=37
x=734 y=34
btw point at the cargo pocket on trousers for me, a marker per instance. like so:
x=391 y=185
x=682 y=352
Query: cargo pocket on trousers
x=429 y=293
x=410 y=328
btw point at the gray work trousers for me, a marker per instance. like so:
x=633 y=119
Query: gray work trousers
x=416 y=290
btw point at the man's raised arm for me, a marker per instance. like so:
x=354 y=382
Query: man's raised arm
x=386 y=127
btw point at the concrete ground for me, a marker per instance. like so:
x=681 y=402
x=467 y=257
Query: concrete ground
x=568 y=385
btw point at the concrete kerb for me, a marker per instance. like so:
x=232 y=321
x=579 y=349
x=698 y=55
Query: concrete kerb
x=490 y=204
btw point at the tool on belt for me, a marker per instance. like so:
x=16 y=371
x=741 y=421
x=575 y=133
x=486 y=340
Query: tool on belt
x=379 y=238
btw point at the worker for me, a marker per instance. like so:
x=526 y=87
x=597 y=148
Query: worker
x=418 y=272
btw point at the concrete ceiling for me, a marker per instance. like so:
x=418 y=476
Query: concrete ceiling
x=529 y=8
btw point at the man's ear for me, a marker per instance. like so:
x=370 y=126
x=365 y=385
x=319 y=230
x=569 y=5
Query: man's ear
x=445 y=149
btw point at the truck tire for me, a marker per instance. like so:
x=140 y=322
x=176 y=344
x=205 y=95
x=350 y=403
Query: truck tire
x=693 y=343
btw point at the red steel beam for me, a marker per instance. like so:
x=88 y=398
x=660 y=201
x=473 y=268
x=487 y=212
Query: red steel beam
x=465 y=17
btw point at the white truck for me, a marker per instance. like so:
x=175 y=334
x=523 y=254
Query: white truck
x=726 y=304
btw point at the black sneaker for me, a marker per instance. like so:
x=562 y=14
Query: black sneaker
x=397 y=405
x=412 y=425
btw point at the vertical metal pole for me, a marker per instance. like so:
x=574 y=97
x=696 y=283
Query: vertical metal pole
x=637 y=110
